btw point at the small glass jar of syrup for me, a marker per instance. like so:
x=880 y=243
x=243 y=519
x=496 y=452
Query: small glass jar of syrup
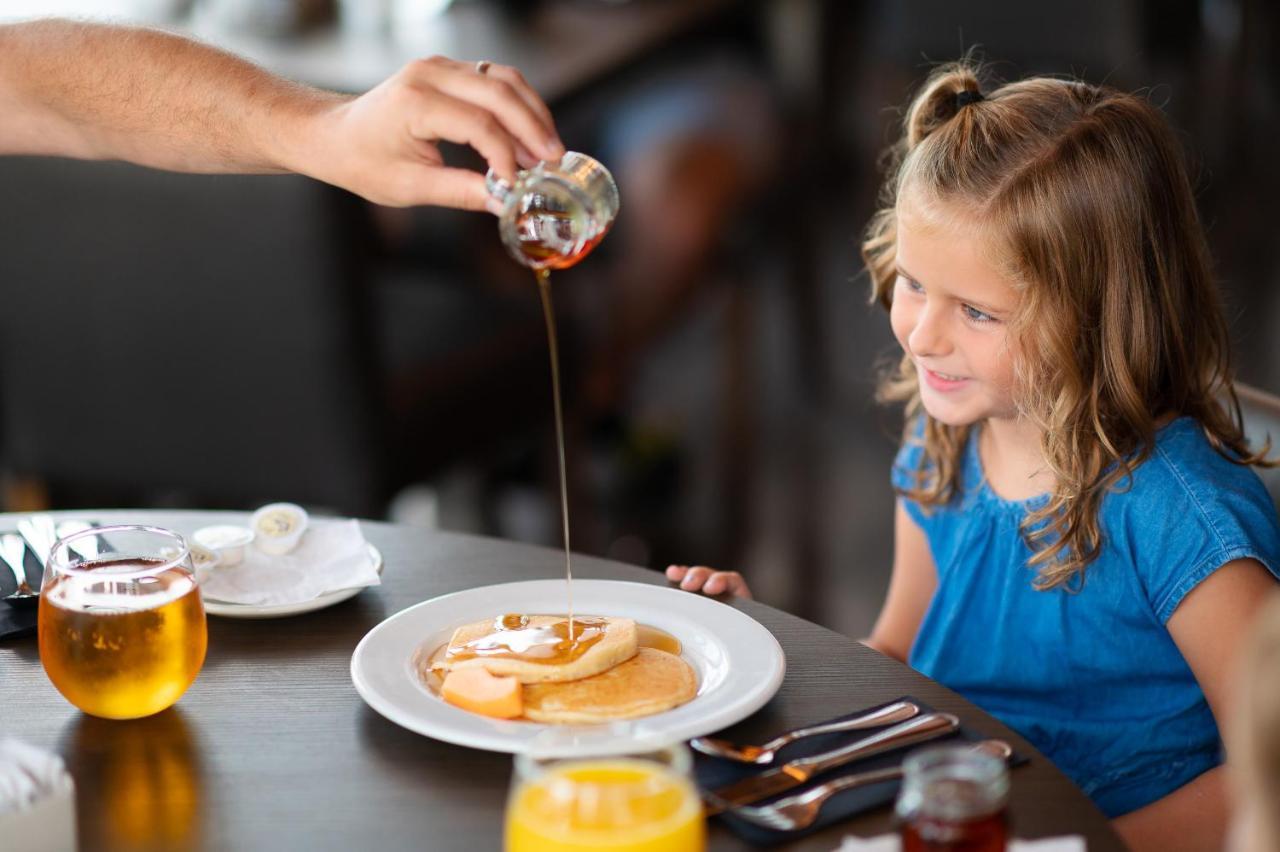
x=953 y=799
x=556 y=212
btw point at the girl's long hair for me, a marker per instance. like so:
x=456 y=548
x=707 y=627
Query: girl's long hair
x=1082 y=193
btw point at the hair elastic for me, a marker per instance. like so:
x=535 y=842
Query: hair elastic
x=966 y=97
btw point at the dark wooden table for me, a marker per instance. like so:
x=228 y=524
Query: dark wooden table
x=272 y=748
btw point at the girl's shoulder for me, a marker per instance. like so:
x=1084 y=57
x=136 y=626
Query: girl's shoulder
x=1183 y=464
x=1186 y=511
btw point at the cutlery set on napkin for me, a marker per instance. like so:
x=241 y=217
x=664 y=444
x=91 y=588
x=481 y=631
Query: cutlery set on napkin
x=23 y=553
x=817 y=776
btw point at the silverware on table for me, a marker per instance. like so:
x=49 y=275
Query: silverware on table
x=801 y=810
x=41 y=534
x=899 y=711
x=86 y=547
x=792 y=774
x=13 y=552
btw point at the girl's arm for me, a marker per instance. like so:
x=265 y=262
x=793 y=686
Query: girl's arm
x=105 y=92
x=911 y=588
x=1210 y=627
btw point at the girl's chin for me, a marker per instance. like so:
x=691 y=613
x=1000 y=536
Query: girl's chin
x=949 y=415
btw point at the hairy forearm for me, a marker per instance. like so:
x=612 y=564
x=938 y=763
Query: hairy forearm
x=100 y=92
x=1193 y=817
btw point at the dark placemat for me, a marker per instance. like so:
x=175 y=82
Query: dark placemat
x=17 y=619
x=713 y=773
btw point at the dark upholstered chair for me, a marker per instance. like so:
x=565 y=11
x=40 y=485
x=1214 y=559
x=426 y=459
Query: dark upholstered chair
x=220 y=340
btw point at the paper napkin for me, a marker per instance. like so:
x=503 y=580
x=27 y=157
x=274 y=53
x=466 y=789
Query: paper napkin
x=37 y=800
x=332 y=555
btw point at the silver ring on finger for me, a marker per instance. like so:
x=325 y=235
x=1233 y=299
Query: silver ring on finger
x=483 y=66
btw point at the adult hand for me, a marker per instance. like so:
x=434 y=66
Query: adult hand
x=383 y=144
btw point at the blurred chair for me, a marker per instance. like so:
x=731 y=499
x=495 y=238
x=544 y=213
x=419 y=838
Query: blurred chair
x=216 y=340
x=1261 y=412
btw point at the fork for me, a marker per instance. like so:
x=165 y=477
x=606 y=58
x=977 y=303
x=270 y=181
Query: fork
x=794 y=813
x=13 y=552
x=40 y=533
x=899 y=711
x=86 y=547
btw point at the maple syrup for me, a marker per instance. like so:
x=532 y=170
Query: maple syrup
x=557 y=643
x=953 y=799
x=426 y=662
x=551 y=217
x=928 y=834
x=648 y=636
x=546 y=241
x=548 y=312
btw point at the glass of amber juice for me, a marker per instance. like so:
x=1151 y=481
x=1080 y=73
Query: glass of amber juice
x=122 y=632
x=639 y=799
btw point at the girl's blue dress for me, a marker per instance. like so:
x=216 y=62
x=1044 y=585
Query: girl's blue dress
x=1092 y=678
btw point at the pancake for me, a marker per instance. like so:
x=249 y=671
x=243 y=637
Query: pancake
x=617 y=643
x=648 y=683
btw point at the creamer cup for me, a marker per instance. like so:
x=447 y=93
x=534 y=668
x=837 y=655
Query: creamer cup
x=278 y=527
x=226 y=540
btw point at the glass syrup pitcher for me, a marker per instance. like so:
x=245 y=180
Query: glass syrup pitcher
x=556 y=212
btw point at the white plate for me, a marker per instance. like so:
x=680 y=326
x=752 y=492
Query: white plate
x=738 y=662
x=236 y=610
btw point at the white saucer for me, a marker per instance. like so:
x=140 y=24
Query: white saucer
x=236 y=610
x=738 y=662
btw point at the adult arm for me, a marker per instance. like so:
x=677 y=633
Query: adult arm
x=1210 y=627
x=105 y=92
x=911 y=588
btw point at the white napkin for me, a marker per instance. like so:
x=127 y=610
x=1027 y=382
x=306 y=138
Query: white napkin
x=892 y=843
x=28 y=775
x=332 y=555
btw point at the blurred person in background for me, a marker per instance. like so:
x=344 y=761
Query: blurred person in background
x=106 y=92
x=1256 y=822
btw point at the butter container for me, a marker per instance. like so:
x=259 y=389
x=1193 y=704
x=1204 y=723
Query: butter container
x=278 y=527
x=203 y=560
x=228 y=541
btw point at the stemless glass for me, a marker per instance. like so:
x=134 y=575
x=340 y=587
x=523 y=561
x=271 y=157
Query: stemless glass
x=624 y=797
x=122 y=634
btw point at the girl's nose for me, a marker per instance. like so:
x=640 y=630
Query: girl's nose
x=929 y=336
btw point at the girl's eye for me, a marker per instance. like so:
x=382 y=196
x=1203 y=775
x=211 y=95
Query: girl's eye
x=910 y=284
x=976 y=315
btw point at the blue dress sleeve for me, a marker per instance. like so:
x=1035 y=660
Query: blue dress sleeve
x=1196 y=511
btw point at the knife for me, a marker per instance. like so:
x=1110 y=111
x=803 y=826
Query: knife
x=930 y=726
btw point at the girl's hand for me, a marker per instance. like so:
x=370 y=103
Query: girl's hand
x=709 y=581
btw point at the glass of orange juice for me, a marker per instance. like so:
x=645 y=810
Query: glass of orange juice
x=623 y=796
x=121 y=623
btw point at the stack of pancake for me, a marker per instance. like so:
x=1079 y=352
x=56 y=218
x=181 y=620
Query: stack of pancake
x=614 y=678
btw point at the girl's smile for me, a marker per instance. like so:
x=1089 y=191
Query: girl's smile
x=941 y=381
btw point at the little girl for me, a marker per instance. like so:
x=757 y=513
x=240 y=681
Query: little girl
x=1080 y=543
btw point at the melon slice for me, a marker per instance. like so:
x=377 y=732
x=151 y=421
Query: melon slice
x=480 y=692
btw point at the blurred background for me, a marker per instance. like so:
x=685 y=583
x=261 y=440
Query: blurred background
x=222 y=342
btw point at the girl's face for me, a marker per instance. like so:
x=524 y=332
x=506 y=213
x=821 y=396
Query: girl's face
x=950 y=312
